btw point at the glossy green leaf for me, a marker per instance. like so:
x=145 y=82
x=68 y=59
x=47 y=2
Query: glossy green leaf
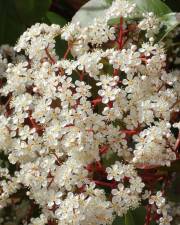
x=61 y=45
x=29 y=11
x=139 y=215
x=109 y=1
x=56 y=19
x=118 y=221
x=17 y=15
x=89 y=11
x=95 y=8
x=116 y=21
x=10 y=25
x=129 y=220
x=157 y=6
x=170 y=21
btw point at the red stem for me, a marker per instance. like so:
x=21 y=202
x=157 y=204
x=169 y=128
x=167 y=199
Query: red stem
x=96 y=101
x=110 y=104
x=67 y=52
x=103 y=149
x=130 y=132
x=105 y=184
x=119 y=41
x=121 y=32
x=81 y=76
x=177 y=144
x=148 y=215
x=57 y=159
x=49 y=56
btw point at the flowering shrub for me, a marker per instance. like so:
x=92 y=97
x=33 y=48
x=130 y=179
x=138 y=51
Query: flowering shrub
x=88 y=135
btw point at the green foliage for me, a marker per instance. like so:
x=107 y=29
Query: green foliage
x=17 y=15
x=109 y=1
x=172 y=4
x=139 y=215
x=61 y=45
x=118 y=221
x=30 y=11
x=55 y=18
x=170 y=21
x=96 y=8
x=135 y=217
x=10 y=26
x=90 y=10
x=116 y=21
x=129 y=220
x=157 y=6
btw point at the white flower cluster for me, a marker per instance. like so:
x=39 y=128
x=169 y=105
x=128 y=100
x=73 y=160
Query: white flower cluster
x=157 y=142
x=150 y=23
x=9 y=185
x=96 y=34
x=62 y=118
x=120 y=8
x=126 y=196
x=162 y=208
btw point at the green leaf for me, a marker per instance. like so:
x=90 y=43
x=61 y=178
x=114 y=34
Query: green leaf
x=56 y=19
x=17 y=15
x=61 y=45
x=95 y=8
x=170 y=21
x=129 y=220
x=158 y=7
x=89 y=11
x=116 y=21
x=9 y=25
x=118 y=221
x=139 y=215
x=29 y=11
x=109 y=1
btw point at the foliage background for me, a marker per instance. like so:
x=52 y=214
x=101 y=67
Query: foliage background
x=17 y=15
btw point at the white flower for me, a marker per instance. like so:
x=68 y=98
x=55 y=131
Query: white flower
x=120 y=8
x=99 y=32
x=90 y=62
x=63 y=120
x=125 y=60
x=82 y=90
x=162 y=208
x=106 y=80
x=70 y=31
x=108 y=94
x=22 y=102
x=157 y=199
x=150 y=23
x=136 y=184
x=165 y=220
